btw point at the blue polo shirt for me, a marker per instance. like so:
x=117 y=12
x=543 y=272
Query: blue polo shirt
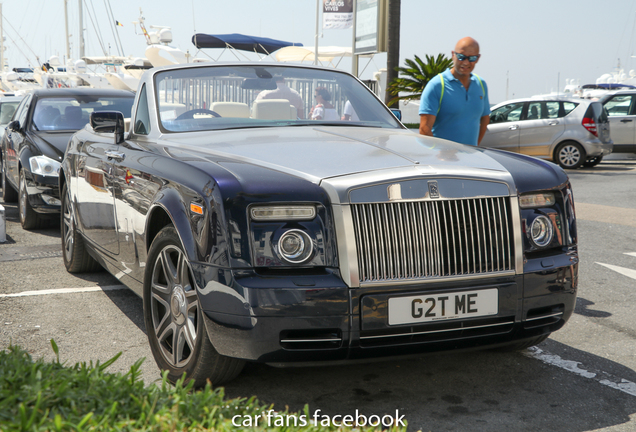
x=461 y=110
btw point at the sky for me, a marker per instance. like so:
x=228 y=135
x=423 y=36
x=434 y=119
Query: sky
x=527 y=48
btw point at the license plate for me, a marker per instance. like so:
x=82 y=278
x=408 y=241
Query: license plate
x=445 y=306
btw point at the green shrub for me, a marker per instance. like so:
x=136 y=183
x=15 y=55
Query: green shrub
x=41 y=396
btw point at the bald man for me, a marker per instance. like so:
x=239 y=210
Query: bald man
x=454 y=105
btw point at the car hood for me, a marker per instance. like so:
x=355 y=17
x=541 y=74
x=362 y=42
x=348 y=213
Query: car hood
x=320 y=153
x=51 y=144
x=317 y=153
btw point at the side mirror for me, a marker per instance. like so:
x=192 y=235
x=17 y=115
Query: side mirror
x=14 y=126
x=109 y=122
x=397 y=113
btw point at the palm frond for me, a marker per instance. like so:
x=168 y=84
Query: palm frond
x=415 y=75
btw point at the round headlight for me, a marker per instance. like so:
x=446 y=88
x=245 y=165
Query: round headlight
x=295 y=246
x=541 y=231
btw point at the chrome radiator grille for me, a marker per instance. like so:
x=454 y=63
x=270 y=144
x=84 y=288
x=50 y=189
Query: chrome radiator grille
x=429 y=239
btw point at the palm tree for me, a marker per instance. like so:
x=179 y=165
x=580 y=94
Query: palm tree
x=416 y=75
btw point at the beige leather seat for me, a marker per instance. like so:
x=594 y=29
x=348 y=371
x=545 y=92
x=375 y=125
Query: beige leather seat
x=231 y=109
x=273 y=109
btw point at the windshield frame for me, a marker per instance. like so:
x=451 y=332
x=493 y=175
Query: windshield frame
x=252 y=79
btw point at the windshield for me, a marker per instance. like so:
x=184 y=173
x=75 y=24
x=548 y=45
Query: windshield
x=227 y=97
x=73 y=113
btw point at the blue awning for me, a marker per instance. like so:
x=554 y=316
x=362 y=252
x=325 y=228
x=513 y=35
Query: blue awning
x=607 y=86
x=240 y=42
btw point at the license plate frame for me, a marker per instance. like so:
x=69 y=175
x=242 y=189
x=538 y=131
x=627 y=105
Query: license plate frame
x=445 y=306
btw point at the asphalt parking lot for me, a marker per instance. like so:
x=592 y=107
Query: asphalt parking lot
x=581 y=379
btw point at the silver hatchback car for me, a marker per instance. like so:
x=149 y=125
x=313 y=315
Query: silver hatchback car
x=570 y=132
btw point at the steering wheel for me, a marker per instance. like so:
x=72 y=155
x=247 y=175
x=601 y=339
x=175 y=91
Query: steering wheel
x=188 y=115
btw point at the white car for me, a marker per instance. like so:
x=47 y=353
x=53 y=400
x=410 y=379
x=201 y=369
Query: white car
x=621 y=109
x=570 y=132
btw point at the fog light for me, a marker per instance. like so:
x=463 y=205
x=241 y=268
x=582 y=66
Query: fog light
x=541 y=231
x=51 y=200
x=295 y=246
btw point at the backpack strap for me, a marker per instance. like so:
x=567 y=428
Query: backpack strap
x=441 y=77
x=481 y=83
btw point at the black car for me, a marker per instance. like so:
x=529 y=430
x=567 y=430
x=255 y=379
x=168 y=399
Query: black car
x=35 y=140
x=254 y=233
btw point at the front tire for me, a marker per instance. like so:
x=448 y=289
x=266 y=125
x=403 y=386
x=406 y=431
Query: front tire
x=76 y=258
x=174 y=319
x=9 y=195
x=570 y=155
x=29 y=219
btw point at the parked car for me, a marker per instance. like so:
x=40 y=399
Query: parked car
x=253 y=234
x=34 y=143
x=621 y=109
x=570 y=132
x=8 y=105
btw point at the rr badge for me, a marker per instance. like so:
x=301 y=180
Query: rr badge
x=433 y=190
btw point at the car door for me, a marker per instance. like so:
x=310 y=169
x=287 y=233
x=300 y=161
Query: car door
x=134 y=186
x=622 y=117
x=14 y=141
x=541 y=127
x=96 y=203
x=503 y=130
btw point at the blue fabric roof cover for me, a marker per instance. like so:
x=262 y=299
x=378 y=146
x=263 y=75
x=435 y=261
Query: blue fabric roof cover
x=240 y=42
x=607 y=86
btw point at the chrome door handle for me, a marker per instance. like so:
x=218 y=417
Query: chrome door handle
x=111 y=154
x=553 y=123
x=513 y=127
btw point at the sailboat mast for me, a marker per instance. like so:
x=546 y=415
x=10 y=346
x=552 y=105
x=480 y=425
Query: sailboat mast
x=81 y=27
x=68 y=44
x=1 y=41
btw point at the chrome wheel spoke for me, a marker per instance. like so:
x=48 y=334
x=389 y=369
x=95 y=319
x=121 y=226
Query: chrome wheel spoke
x=160 y=313
x=23 y=198
x=161 y=282
x=169 y=270
x=183 y=346
x=166 y=343
x=183 y=275
x=159 y=288
x=192 y=312
x=68 y=230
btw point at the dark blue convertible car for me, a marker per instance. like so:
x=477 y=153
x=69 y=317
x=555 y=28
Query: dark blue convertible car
x=258 y=230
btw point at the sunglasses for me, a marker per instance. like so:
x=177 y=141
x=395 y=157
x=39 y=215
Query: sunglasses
x=462 y=57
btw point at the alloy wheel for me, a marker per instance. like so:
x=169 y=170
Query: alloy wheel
x=24 y=198
x=8 y=193
x=68 y=229
x=4 y=175
x=570 y=156
x=174 y=306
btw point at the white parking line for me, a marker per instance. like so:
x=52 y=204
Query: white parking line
x=573 y=366
x=622 y=270
x=64 y=291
